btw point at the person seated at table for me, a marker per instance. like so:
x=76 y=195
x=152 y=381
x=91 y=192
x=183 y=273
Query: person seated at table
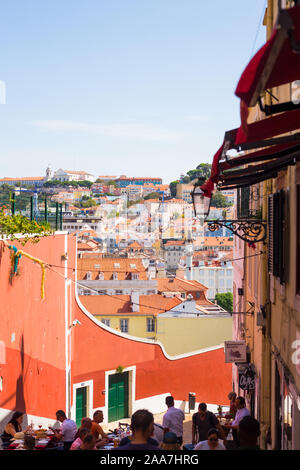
x=127 y=440
x=212 y=442
x=88 y=443
x=85 y=423
x=79 y=440
x=13 y=426
x=170 y=442
x=97 y=431
x=142 y=428
x=67 y=431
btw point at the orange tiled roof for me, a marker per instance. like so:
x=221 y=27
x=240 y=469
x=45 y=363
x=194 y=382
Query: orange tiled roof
x=122 y=305
x=217 y=241
x=174 y=242
x=124 y=267
x=25 y=178
x=179 y=285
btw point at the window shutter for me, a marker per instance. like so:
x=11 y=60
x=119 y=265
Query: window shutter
x=277 y=235
x=270 y=234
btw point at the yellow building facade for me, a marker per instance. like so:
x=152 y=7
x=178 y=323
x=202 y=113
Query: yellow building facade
x=177 y=335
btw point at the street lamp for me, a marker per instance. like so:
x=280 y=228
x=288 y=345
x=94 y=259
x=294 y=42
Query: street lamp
x=201 y=202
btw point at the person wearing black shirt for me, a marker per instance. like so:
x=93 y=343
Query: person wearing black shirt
x=202 y=422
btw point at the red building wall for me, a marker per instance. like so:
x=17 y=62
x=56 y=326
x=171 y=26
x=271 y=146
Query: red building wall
x=34 y=332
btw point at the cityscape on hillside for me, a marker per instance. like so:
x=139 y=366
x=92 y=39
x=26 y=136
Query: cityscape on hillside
x=149 y=229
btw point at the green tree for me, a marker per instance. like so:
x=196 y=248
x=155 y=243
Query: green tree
x=152 y=196
x=172 y=186
x=225 y=300
x=219 y=200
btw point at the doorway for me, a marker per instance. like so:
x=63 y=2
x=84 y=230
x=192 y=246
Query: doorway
x=118 y=396
x=81 y=404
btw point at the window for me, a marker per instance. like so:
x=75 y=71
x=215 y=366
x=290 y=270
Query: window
x=243 y=195
x=106 y=321
x=150 y=325
x=124 y=325
x=277 y=255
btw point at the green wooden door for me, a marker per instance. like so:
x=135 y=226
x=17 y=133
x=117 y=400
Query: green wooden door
x=81 y=404
x=118 y=397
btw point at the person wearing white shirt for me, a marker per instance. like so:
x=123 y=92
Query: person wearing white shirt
x=67 y=431
x=173 y=419
x=212 y=443
x=242 y=411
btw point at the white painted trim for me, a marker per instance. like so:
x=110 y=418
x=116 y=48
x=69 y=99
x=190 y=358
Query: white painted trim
x=143 y=340
x=135 y=338
x=67 y=334
x=131 y=390
x=90 y=394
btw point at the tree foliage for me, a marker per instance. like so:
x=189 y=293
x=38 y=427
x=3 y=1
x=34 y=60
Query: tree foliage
x=225 y=300
x=219 y=200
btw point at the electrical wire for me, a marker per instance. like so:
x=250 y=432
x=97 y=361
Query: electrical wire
x=120 y=271
x=162 y=310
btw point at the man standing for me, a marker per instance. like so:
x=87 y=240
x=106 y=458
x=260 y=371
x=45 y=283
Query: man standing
x=173 y=419
x=67 y=431
x=203 y=421
x=240 y=413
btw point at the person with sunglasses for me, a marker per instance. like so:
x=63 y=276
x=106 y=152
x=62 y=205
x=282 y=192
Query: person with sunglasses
x=212 y=442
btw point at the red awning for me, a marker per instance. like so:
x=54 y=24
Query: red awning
x=257 y=137
x=209 y=184
x=258 y=156
x=269 y=127
x=276 y=63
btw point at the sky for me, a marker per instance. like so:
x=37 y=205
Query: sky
x=111 y=87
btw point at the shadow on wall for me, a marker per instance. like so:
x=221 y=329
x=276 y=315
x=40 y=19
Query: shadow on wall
x=19 y=393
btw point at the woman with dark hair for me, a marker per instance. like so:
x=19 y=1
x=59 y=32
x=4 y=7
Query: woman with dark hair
x=212 y=442
x=13 y=426
x=142 y=428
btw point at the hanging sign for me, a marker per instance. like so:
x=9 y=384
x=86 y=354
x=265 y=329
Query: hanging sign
x=247 y=379
x=235 y=351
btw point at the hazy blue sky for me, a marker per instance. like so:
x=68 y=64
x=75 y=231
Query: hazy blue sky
x=136 y=87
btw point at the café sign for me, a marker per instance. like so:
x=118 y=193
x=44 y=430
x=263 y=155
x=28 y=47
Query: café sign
x=235 y=351
x=247 y=378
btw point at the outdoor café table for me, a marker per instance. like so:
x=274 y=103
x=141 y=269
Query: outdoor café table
x=40 y=443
